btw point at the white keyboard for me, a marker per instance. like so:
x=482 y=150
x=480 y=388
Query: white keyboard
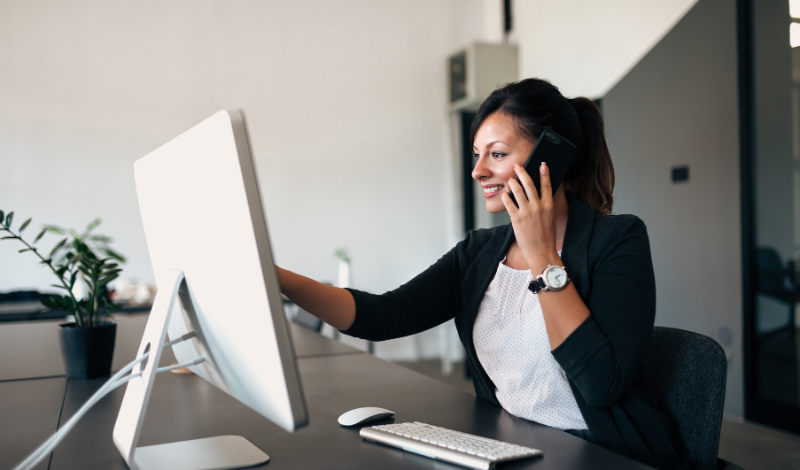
x=448 y=445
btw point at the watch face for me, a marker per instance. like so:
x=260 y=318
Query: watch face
x=556 y=277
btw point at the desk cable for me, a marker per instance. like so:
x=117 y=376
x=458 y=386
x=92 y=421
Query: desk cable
x=114 y=382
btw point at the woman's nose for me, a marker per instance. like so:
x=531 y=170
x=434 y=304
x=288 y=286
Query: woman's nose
x=480 y=169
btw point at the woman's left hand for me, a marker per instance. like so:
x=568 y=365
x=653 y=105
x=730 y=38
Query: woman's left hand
x=534 y=220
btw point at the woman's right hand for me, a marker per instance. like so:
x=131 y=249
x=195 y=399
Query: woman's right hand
x=333 y=305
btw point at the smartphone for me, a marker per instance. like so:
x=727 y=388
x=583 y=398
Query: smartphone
x=554 y=150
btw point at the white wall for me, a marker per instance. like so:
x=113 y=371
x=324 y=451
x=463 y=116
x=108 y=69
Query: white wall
x=345 y=106
x=346 y=102
x=586 y=46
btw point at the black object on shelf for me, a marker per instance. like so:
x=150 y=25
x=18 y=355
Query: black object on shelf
x=21 y=296
x=33 y=310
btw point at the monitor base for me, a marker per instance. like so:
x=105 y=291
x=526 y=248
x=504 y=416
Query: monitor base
x=210 y=453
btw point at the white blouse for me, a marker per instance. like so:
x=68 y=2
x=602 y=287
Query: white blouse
x=512 y=345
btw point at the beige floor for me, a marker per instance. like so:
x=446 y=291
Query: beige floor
x=749 y=445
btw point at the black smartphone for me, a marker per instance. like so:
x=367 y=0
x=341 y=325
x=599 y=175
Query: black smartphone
x=554 y=150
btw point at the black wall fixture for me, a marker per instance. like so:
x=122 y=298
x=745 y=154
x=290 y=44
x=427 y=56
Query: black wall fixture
x=507 y=24
x=680 y=174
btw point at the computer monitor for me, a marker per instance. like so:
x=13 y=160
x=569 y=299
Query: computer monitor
x=211 y=255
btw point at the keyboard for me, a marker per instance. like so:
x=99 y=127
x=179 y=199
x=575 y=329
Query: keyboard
x=448 y=445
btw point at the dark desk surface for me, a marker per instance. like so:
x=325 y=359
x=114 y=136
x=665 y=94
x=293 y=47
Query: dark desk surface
x=186 y=407
x=29 y=412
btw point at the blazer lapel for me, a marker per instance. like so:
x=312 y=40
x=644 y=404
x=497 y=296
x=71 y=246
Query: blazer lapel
x=575 y=253
x=473 y=287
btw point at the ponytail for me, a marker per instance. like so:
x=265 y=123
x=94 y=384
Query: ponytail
x=537 y=105
x=591 y=176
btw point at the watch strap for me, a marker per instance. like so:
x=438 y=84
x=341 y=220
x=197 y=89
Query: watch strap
x=536 y=285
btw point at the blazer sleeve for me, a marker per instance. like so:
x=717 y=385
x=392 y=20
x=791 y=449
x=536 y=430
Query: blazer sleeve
x=427 y=300
x=603 y=355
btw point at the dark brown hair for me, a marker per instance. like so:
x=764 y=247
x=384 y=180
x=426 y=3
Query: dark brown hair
x=537 y=105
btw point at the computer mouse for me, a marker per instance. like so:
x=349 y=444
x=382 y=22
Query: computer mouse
x=364 y=415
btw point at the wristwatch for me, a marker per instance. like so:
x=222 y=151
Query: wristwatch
x=553 y=278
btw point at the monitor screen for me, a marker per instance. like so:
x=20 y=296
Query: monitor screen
x=202 y=214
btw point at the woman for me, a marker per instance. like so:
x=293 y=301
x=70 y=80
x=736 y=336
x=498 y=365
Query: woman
x=571 y=357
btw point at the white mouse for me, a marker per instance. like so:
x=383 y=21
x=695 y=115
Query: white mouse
x=364 y=415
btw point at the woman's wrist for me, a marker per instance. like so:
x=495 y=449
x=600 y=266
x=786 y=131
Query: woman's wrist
x=538 y=263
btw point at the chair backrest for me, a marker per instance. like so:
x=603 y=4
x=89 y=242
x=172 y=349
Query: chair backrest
x=686 y=372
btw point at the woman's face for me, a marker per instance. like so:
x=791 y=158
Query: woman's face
x=498 y=146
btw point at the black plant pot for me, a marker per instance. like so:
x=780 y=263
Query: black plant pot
x=87 y=352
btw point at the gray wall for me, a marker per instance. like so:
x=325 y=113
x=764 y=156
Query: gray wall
x=679 y=106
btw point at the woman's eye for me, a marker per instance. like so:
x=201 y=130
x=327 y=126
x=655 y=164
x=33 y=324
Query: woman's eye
x=498 y=154
x=477 y=156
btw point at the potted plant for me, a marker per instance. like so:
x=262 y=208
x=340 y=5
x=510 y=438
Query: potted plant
x=87 y=343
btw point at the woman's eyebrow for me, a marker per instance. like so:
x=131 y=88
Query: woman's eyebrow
x=492 y=143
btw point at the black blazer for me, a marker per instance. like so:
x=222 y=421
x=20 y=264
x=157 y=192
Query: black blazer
x=608 y=259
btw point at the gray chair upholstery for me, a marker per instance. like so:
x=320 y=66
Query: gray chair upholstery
x=686 y=372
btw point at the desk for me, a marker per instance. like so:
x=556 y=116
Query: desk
x=31 y=349
x=335 y=379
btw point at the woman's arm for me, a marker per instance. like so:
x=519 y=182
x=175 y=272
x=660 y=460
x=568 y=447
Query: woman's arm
x=600 y=349
x=535 y=230
x=332 y=305
x=604 y=354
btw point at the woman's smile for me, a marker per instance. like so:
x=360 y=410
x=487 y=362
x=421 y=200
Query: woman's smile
x=492 y=190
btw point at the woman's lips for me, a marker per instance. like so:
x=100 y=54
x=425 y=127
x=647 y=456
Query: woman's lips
x=492 y=191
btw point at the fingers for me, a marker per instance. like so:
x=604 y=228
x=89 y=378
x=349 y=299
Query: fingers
x=519 y=193
x=544 y=179
x=511 y=208
x=527 y=182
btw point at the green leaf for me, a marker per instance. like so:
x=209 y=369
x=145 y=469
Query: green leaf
x=24 y=226
x=115 y=255
x=39 y=237
x=62 y=270
x=9 y=218
x=10 y=237
x=72 y=279
x=2 y=216
x=93 y=224
x=59 y=287
x=54 y=229
x=48 y=302
x=57 y=247
x=100 y=238
x=25 y=249
x=102 y=282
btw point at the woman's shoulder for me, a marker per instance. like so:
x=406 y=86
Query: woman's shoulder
x=600 y=229
x=477 y=240
x=610 y=225
x=619 y=231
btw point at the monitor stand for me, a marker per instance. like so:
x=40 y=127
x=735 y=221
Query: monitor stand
x=211 y=453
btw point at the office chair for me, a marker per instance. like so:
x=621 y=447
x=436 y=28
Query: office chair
x=687 y=372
